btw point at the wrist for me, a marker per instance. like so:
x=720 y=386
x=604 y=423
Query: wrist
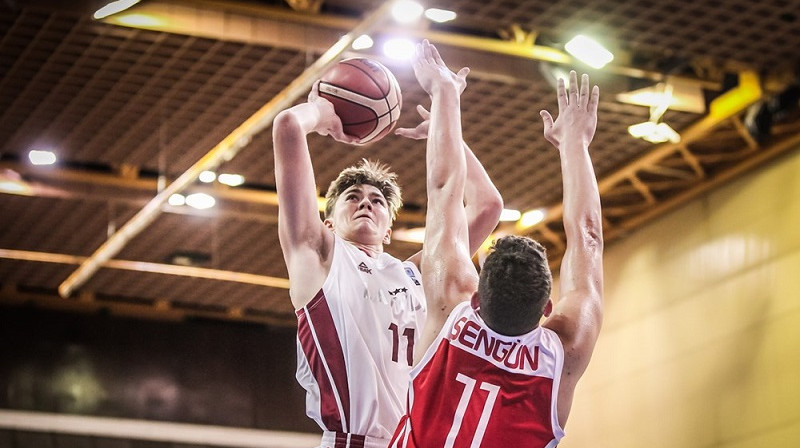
x=446 y=89
x=570 y=140
x=306 y=115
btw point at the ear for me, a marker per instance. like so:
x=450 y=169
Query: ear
x=475 y=301
x=328 y=223
x=548 y=308
x=387 y=239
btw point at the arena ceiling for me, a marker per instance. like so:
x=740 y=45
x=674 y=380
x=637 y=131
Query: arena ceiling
x=137 y=111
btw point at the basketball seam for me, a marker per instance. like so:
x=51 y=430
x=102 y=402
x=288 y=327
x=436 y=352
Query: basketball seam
x=389 y=112
x=374 y=81
x=357 y=104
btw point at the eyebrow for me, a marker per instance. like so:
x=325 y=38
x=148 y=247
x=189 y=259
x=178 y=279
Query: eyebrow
x=373 y=193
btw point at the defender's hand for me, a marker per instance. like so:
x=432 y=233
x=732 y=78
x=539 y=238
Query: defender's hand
x=577 y=112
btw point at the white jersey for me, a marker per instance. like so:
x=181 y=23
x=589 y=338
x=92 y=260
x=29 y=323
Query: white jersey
x=355 y=345
x=478 y=388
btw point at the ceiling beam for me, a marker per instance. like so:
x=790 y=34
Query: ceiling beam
x=721 y=109
x=64 y=182
x=486 y=57
x=156 y=268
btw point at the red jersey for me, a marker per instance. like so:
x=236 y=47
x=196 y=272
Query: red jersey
x=477 y=388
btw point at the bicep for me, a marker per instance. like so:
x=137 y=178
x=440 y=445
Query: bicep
x=577 y=317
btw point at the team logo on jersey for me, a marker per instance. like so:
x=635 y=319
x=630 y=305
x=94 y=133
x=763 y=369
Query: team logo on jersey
x=363 y=268
x=410 y=273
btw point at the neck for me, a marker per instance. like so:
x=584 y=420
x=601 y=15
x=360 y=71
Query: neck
x=372 y=250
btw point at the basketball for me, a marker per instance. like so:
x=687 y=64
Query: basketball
x=365 y=96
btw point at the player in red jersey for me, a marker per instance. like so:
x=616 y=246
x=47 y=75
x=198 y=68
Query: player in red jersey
x=359 y=310
x=492 y=376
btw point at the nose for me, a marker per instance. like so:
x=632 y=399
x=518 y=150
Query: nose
x=365 y=203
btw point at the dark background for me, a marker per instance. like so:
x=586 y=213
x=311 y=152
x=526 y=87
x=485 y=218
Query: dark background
x=195 y=371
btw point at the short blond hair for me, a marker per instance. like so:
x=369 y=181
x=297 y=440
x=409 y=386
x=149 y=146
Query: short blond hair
x=366 y=172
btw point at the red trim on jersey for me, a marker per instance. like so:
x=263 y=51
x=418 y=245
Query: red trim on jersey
x=399 y=436
x=356 y=441
x=341 y=440
x=317 y=334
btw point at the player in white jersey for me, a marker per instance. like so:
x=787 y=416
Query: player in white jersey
x=491 y=375
x=342 y=353
x=360 y=311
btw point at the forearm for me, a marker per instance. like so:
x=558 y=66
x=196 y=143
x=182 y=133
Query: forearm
x=444 y=156
x=294 y=178
x=582 y=211
x=482 y=201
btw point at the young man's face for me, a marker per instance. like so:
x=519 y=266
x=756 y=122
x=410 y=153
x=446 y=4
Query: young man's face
x=361 y=215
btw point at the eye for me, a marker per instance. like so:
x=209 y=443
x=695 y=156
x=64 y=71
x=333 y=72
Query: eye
x=351 y=197
x=378 y=201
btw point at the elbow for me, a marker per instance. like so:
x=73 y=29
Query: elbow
x=486 y=207
x=285 y=121
x=494 y=204
x=491 y=207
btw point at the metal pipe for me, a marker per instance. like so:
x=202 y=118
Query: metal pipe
x=157 y=268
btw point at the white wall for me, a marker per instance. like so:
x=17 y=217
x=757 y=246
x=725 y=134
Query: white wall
x=700 y=345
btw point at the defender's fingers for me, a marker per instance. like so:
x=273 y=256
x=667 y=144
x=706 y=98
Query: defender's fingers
x=594 y=100
x=584 y=98
x=426 y=49
x=547 y=119
x=436 y=56
x=573 y=88
x=423 y=112
x=463 y=73
x=561 y=93
x=415 y=59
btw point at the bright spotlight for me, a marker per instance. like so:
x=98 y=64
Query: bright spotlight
x=362 y=42
x=440 y=15
x=200 y=201
x=113 y=8
x=588 y=51
x=509 y=215
x=231 y=180
x=407 y=11
x=531 y=218
x=207 y=177
x=177 y=199
x=42 y=157
x=398 y=48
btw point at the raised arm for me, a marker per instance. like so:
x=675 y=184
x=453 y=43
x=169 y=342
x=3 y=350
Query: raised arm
x=482 y=201
x=449 y=277
x=305 y=241
x=578 y=315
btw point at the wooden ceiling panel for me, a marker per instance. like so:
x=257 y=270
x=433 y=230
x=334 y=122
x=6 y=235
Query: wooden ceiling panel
x=129 y=110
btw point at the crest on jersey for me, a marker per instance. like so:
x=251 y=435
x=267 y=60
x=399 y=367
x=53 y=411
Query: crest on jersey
x=410 y=273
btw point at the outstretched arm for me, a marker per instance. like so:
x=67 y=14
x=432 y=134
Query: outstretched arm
x=482 y=201
x=449 y=277
x=304 y=240
x=577 y=316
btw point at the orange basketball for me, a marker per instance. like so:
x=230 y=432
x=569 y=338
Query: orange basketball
x=365 y=96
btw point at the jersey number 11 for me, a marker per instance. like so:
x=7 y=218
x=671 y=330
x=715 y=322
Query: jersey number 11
x=408 y=333
x=463 y=403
